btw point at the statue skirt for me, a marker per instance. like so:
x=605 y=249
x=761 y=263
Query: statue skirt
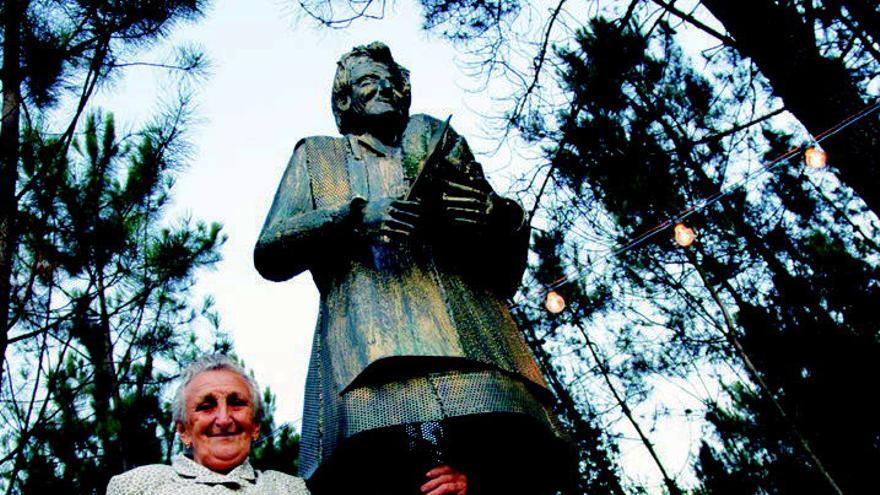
x=487 y=415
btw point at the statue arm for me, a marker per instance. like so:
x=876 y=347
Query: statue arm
x=505 y=245
x=500 y=248
x=296 y=234
x=512 y=241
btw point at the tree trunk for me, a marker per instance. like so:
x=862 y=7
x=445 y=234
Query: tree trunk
x=582 y=429
x=13 y=12
x=671 y=486
x=766 y=391
x=818 y=91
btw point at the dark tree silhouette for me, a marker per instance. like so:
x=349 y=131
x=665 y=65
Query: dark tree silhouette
x=53 y=50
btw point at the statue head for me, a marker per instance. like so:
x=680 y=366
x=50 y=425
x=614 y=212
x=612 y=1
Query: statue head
x=370 y=91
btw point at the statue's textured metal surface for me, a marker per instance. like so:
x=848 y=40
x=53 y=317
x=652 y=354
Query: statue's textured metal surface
x=412 y=267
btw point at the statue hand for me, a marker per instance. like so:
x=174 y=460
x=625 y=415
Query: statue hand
x=464 y=205
x=445 y=480
x=389 y=218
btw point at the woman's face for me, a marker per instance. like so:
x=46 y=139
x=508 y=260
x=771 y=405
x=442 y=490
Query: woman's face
x=220 y=422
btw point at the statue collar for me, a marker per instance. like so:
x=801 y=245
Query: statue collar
x=371 y=143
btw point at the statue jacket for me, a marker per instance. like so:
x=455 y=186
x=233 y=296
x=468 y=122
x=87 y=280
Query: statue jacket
x=406 y=332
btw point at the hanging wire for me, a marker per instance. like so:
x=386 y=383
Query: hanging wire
x=706 y=202
x=280 y=428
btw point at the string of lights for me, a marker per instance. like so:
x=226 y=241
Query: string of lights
x=814 y=158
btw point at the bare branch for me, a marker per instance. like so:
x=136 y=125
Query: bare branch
x=739 y=127
x=539 y=62
x=727 y=40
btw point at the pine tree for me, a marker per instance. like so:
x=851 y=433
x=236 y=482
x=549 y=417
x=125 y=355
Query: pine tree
x=60 y=51
x=817 y=59
x=278 y=445
x=101 y=305
x=93 y=306
x=756 y=293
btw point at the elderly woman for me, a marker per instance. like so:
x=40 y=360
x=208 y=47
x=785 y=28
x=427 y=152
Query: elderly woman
x=216 y=411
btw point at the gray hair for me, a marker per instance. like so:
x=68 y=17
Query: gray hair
x=213 y=362
x=378 y=52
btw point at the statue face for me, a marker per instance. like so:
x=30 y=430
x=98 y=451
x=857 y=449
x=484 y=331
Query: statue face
x=373 y=91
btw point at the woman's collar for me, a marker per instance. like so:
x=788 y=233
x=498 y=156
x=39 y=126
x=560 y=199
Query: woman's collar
x=188 y=468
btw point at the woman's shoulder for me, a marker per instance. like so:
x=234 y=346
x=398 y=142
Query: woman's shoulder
x=290 y=485
x=138 y=479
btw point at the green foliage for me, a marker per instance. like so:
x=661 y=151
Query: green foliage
x=100 y=315
x=788 y=259
x=102 y=285
x=61 y=40
x=463 y=20
x=102 y=297
x=278 y=446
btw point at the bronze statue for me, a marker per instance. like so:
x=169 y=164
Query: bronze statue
x=415 y=352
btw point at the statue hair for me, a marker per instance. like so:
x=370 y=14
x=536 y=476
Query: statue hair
x=378 y=52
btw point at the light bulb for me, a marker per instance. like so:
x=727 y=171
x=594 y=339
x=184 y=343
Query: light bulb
x=684 y=236
x=815 y=157
x=554 y=303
